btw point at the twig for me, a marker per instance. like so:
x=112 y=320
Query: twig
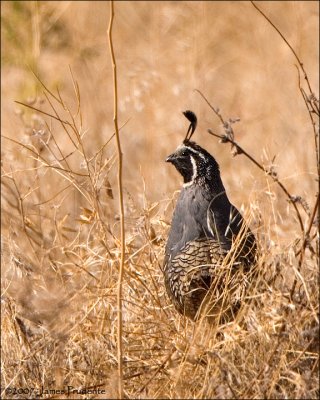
x=312 y=105
x=23 y=216
x=51 y=116
x=229 y=138
x=312 y=109
x=66 y=173
x=161 y=366
x=286 y=41
x=305 y=240
x=121 y=207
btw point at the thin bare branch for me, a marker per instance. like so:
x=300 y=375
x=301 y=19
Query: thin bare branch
x=286 y=41
x=121 y=209
x=240 y=150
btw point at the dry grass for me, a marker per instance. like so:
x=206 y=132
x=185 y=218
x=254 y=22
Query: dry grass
x=60 y=223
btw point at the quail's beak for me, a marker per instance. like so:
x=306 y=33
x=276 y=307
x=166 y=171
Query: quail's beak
x=171 y=158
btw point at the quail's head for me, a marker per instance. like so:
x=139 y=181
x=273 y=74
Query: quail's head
x=193 y=162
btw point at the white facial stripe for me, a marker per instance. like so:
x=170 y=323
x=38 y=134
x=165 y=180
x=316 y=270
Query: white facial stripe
x=196 y=152
x=195 y=172
x=181 y=147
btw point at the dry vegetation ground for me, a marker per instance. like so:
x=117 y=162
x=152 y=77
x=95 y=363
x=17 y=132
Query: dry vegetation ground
x=60 y=220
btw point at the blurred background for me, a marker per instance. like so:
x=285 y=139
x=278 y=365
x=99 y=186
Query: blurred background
x=164 y=50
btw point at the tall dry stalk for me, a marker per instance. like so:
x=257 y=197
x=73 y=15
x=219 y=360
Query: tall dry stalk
x=121 y=208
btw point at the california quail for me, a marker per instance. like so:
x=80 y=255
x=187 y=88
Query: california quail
x=210 y=249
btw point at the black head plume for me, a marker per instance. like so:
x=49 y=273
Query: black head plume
x=191 y=116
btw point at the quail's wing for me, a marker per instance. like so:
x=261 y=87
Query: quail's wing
x=224 y=224
x=230 y=227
